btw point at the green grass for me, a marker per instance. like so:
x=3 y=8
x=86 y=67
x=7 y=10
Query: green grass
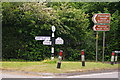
x=50 y=66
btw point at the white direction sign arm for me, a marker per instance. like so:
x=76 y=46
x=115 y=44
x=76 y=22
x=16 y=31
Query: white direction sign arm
x=42 y=38
x=117 y=51
x=59 y=40
x=46 y=42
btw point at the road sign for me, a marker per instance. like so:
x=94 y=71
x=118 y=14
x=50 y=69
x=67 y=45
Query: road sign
x=117 y=51
x=46 y=42
x=59 y=40
x=101 y=18
x=42 y=38
x=101 y=27
x=53 y=28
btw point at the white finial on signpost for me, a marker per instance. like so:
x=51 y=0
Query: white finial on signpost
x=51 y=41
x=53 y=28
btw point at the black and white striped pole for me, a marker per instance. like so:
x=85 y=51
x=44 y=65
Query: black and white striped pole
x=112 y=58
x=83 y=57
x=53 y=42
x=59 y=59
x=116 y=56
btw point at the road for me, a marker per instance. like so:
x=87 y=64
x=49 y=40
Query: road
x=94 y=75
x=97 y=75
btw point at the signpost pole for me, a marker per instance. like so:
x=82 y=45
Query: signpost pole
x=53 y=42
x=103 y=46
x=96 y=46
x=101 y=21
x=52 y=48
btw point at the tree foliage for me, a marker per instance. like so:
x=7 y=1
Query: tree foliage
x=73 y=22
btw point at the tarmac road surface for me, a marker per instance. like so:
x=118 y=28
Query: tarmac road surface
x=97 y=75
x=92 y=75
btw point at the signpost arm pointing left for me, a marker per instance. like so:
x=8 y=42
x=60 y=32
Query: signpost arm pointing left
x=52 y=42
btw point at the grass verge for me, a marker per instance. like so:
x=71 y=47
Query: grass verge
x=50 y=67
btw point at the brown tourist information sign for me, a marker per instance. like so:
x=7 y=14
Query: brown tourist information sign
x=101 y=18
x=102 y=23
x=101 y=27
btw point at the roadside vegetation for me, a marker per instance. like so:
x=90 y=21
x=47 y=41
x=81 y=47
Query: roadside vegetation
x=48 y=66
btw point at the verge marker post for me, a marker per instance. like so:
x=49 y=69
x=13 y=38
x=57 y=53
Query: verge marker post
x=59 y=59
x=112 y=58
x=116 y=56
x=83 y=57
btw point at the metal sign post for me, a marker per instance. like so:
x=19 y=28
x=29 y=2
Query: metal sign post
x=103 y=46
x=53 y=41
x=101 y=21
x=96 y=46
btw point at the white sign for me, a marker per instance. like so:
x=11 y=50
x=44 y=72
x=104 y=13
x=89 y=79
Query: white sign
x=47 y=42
x=59 y=40
x=42 y=38
x=53 y=28
x=117 y=51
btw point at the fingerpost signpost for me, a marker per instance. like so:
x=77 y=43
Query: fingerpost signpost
x=101 y=21
x=51 y=41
